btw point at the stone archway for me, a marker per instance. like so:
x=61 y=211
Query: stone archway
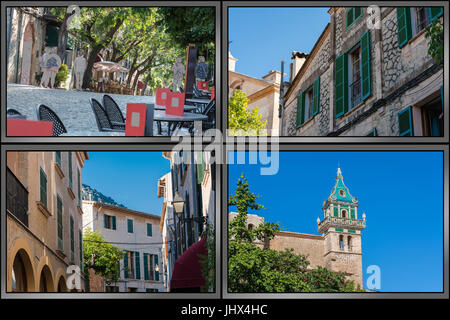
x=62 y=287
x=46 y=280
x=20 y=250
x=22 y=276
x=27 y=54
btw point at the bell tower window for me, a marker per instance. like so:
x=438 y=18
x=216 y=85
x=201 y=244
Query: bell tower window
x=349 y=243
x=344 y=213
x=341 y=242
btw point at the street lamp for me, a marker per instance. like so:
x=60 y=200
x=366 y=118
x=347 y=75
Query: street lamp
x=178 y=203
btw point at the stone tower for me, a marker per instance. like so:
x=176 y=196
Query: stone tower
x=341 y=230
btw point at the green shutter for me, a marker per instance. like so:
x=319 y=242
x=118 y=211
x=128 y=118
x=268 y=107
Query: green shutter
x=316 y=96
x=435 y=12
x=349 y=18
x=105 y=221
x=58 y=157
x=70 y=169
x=352 y=213
x=358 y=12
x=149 y=229
x=130 y=225
x=341 y=85
x=125 y=265
x=403 y=25
x=156 y=263
x=113 y=222
x=300 y=109
x=146 y=266
x=365 y=65
x=59 y=222
x=72 y=239
x=335 y=211
x=405 y=122
x=200 y=167
x=51 y=36
x=138 y=265
x=43 y=187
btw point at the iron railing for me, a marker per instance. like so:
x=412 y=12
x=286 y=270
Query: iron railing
x=355 y=92
x=16 y=197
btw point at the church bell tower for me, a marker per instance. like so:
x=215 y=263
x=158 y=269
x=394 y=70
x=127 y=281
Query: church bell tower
x=341 y=230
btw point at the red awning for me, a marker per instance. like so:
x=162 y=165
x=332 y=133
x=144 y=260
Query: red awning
x=187 y=271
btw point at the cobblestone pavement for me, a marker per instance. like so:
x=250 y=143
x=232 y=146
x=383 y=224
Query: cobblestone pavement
x=72 y=107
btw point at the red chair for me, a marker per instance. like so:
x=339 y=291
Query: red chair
x=161 y=96
x=175 y=103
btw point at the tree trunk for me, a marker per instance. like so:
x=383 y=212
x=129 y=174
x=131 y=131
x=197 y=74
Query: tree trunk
x=90 y=65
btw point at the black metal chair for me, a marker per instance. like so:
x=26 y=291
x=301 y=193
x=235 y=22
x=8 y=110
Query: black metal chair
x=103 y=121
x=198 y=94
x=44 y=113
x=210 y=111
x=113 y=111
x=12 y=112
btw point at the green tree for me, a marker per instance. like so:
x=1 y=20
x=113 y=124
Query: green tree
x=100 y=255
x=256 y=268
x=242 y=121
x=435 y=34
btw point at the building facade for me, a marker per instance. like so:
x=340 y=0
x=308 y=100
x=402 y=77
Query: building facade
x=263 y=94
x=361 y=79
x=44 y=220
x=137 y=234
x=338 y=247
x=192 y=177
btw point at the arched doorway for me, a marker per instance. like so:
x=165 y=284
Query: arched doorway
x=27 y=54
x=62 y=284
x=45 y=280
x=22 y=273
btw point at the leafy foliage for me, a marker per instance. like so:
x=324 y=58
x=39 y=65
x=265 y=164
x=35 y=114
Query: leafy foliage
x=253 y=267
x=102 y=256
x=435 y=34
x=242 y=121
x=62 y=75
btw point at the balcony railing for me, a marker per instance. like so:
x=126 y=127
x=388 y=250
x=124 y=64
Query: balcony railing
x=339 y=222
x=16 y=197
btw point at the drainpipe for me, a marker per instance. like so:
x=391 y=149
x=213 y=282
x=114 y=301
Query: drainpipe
x=281 y=106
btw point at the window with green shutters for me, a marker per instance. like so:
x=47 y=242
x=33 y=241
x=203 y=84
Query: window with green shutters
x=352 y=15
x=43 y=187
x=58 y=157
x=109 y=222
x=308 y=103
x=72 y=240
x=341 y=84
x=59 y=217
x=130 y=225
x=138 y=265
x=404 y=25
x=405 y=122
x=352 y=213
x=412 y=20
x=70 y=169
x=79 y=186
x=149 y=230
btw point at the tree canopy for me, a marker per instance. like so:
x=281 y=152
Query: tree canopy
x=242 y=121
x=253 y=267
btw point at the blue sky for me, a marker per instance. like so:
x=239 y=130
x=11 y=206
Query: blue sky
x=130 y=178
x=400 y=192
x=262 y=37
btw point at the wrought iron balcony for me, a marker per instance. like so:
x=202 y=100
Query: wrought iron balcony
x=16 y=197
x=339 y=222
x=355 y=92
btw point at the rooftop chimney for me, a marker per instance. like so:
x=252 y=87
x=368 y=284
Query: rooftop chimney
x=299 y=59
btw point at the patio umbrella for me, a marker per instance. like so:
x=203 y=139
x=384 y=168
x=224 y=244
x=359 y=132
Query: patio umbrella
x=187 y=271
x=109 y=66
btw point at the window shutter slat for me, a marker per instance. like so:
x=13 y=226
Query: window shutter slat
x=43 y=188
x=156 y=263
x=138 y=265
x=365 y=65
x=114 y=222
x=405 y=122
x=403 y=25
x=341 y=85
x=105 y=221
x=316 y=96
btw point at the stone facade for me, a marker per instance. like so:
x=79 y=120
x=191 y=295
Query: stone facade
x=38 y=255
x=112 y=223
x=402 y=76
